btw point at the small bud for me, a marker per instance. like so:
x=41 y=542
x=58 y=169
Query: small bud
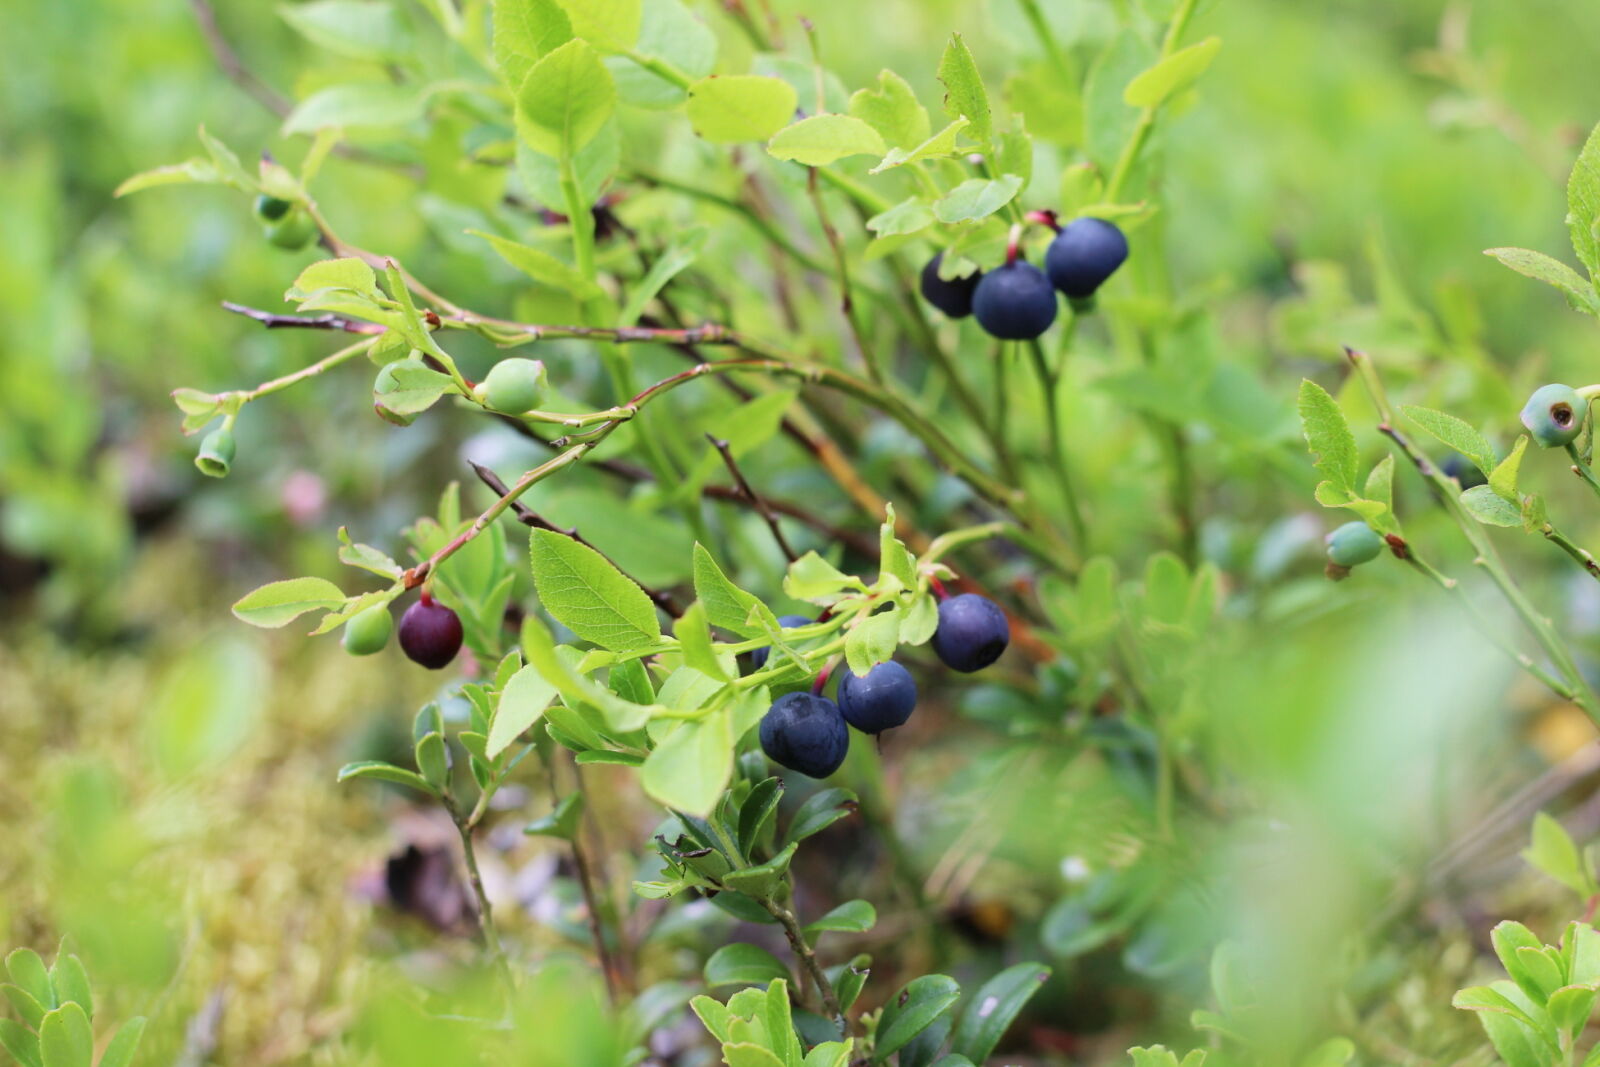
x=216 y=453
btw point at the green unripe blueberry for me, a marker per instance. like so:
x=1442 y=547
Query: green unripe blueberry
x=294 y=231
x=1554 y=415
x=368 y=631
x=272 y=208
x=513 y=386
x=216 y=453
x=1354 y=543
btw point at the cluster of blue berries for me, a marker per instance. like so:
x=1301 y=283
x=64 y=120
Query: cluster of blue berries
x=809 y=733
x=1017 y=301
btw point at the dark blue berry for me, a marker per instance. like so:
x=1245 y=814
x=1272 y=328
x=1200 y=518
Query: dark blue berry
x=972 y=633
x=430 y=633
x=880 y=700
x=758 y=658
x=1015 y=302
x=953 y=297
x=1084 y=254
x=1464 y=471
x=805 y=733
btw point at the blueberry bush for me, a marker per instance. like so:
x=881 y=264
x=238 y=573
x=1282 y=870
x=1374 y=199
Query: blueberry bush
x=790 y=541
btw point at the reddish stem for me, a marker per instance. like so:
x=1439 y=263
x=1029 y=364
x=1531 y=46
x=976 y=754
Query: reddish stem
x=1014 y=243
x=1044 y=218
x=938 y=588
x=821 y=681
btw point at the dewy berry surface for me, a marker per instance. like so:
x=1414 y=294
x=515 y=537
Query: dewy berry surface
x=805 y=733
x=880 y=700
x=972 y=633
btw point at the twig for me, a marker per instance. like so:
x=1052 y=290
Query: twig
x=842 y=272
x=750 y=494
x=328 y=321
x=528 y=517
x=486 y=925
x=1582 y=556
x=232 y=66
x=807 y=959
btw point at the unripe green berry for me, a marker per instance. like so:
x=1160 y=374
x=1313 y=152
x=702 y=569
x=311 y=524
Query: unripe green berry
x=216 y=453
x=1354 y=543
x=294 y=231
x=513 y=385
x=272 y=208
x=368 y=631
x=1554 y=415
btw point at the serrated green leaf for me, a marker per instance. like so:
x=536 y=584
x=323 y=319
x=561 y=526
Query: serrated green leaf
x=357 y=29
x=541 y=266
x=280 y=603
x=525 y=31
x=963 y=87
x=1328 y=436
x=814 y=579
x=347 y=273
x=691 y=766
x=892 y=109
x=1489 y=508
x=378 y=104
x=1553 y=852
x=608 y=24
x=909 y=216
x=727 y=606
x=522 y=703
x=408 y=387
x=872 y=640
x=1380 y=489
x=894 y=559
x=1503 y=478
x=1583 y=203
x=192 y=171
x=977 y=198
x=1580 y=294
x=589 y=596
x=1172 y=75
x=732 y=108
x=694 y=640
x=938 y=146
x=565 y=99
x=1456 y=434
x=823 y=139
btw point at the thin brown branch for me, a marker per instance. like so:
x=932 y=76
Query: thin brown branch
x=232 y=66
x=755 y=498
x=329 y=321
x=528 y=517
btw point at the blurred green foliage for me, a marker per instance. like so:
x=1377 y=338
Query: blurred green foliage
x=168 y=780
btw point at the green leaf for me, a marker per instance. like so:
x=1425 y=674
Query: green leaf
x=566 y=99
x=749 y=1054
x=1570 y=1008
x=1328 y=436
x=71 y=982
x=384 y=772
x=678 y=257
x=964 y=94
x=65 y=1038
x=823 y=139
x=1489 y=508
x=1552 y=852
x=25 y=1003
x=357 y=29
x=1172 y=75
x=29 y=972
x=1380 y=489
x=522 y=704
x=892 y=109
x=22 y=1043
x=1503 y=478
x=433 y=761
x=694 y=639
x=590 y=597
x=673 y=34
x=280 y=603
x=562 y=822
x=977 y=198
x=1334 y=1052
x=820 y=811
x=909 y=216
x=541 y=266
x=830 y=1054
x=691 y=766
x=814 y=579
x=349 y=274
x=731 y=108
x=379 y=104
x=938 y=146
x=1580 y=294
x=727 y=606
x=779 y=1022
x=196 y=171
x=525 y=31
x=408 y=387
x=608 y=24
x=872 y=640
x=1583 y=203
x=849 y=980
x=119 y=1053
x=851 y=917
x=742 y=964
x=992 y=1008
x=894 y=559
x=912 y=1011
x=1456 y=434
x=556 y=665
x=763 y=881
x=757 y=811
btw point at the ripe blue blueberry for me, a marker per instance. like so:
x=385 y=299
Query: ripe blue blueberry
x=1464 y=471
x=1354 y=543
x=1554 y=415
x=758 y=658
x=1015 y=302
x=1084 y=254
x=879 y=700
x=430 y=633
x=953 y=297
x=972 y=633
x=805 y=733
